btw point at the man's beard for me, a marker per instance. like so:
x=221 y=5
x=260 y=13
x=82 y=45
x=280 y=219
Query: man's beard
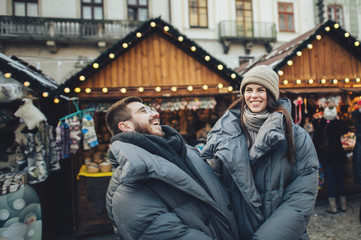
x=147 y=130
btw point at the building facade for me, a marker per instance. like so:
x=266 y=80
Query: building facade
x=61 y=37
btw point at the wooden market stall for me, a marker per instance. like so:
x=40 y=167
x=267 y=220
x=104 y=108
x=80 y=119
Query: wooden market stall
x=38 y=187
x=187 y=85
x=324 y=64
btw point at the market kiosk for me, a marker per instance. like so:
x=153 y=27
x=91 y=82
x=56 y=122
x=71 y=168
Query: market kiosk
x=189 y=87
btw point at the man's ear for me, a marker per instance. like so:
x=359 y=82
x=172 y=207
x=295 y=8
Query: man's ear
x=124 y=127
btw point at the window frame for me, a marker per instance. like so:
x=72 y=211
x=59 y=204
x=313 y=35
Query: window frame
x=198 y=14
x=26 y=6
x=242 y=21
x=334 y=9
x=286 y=14
x=137 y=7
x=92 y=5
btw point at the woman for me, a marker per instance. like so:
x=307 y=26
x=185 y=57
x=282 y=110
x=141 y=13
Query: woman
x=332 y=155
x=269 y=165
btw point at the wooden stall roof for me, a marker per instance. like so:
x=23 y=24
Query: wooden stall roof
x=154 y=55
x=16 y=69
x=326 y=57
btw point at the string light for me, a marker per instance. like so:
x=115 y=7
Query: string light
x=289 y=62
x=45 y=94
x=280 y=72
x=77 y=90
x=26 y=84
x=153 y=24
x=125 y=45
x=139 y=34
x=347 y=34
x=173 y=89
x=67 y=90
x=233 y=75
x=334 y=81
x=193 y=48
x=81 y=78
x=220 y=85
x=207 y=58
x=123 y=90
x=7 y=75
x=230 y=88
x=323 y=81
x=158 y=89
x=285 y=82
x=180 y=38
x=88 y=90
x=310 y=81
x=220 y=67
x=309 y=46
x=357 y=43
x=299 y=53
x=111 y=55
x=56 y=100
x=205 y=87
x=327 y=29
x=104 y=90
x=141 y=89
x=95 y=65
x=358 y=80
x=336 y=25
x=298 y=81
x=190 y=88
x=347 y=80
x=318 y=37
x=166 y=28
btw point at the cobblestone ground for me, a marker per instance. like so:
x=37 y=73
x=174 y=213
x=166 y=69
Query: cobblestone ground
x=340 y=226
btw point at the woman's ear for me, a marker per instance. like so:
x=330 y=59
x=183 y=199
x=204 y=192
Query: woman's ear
x=125 y=126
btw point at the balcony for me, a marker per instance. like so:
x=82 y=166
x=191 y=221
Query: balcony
x=51 y=30
x=232 y=31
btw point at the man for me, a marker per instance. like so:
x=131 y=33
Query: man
x=161 y=189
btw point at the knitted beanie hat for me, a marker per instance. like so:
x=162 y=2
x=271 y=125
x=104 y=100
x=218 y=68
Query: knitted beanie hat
x=262 y=75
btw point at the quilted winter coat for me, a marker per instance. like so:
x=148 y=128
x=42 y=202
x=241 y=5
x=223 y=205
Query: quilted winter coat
x=272 y=199
x=151 y=198
x=356 y=158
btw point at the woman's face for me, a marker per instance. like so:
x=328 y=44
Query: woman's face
x=255 y=96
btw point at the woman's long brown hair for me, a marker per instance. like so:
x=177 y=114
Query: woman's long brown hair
x=273 y=106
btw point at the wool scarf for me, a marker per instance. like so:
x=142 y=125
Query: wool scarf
x=254 y=121
x=170 y=147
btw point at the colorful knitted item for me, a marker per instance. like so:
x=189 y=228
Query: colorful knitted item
x=89 y=131
x=75 y=134
x=65 y=136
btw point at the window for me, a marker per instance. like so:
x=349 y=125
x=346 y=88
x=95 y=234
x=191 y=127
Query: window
x=92 y=9
x=138 y=10
x=244 y=18
x=335 y=13
x=198 y=16
x=28 y=8
x=285 y=14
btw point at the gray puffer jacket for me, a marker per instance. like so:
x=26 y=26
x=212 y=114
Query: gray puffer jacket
x=149 y=197
x=272 y=199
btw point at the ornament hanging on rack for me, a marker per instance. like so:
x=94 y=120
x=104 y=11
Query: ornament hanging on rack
x=298 y=109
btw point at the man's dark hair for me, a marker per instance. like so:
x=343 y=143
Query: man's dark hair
x=119 y=112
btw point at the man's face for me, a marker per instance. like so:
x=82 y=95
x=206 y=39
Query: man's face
x=144 y=120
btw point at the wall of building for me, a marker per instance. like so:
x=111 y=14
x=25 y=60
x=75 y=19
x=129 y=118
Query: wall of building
x=62 y=64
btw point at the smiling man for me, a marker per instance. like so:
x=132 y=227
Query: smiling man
x=161 y=188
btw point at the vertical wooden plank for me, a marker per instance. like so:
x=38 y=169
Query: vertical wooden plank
x=157 y=62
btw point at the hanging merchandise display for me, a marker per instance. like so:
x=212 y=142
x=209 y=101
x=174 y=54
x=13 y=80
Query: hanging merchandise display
x=298 y=110
x=72 y=128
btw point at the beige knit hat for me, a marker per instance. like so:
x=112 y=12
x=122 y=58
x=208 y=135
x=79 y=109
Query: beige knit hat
x=262 y=75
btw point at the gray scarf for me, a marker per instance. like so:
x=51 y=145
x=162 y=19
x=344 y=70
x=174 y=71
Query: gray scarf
x=253 y=121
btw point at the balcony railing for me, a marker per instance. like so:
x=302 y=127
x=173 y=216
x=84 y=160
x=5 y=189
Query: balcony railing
x=240 y=30
x=64 y=28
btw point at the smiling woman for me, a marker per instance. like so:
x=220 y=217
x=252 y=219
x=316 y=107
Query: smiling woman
x=256 y=147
